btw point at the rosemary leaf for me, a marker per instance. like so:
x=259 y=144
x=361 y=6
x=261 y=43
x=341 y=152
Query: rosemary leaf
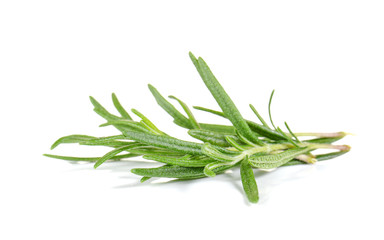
x=210 y=137
x=165 y=142
x=124 y=125
x=259 y=129
x=192 y=118
x=170 y=109
x=209 y=169
x=76 y=138
x=184 y=161
x=170 y=171
x=276 y=160
x=152 y=127
x=248 y=181
x=120 y=108
x=224 y=101
x=91 y=159
x=111 y=154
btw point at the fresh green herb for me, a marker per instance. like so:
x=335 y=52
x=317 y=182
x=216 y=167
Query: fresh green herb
x=244 y=143
x=249 y=182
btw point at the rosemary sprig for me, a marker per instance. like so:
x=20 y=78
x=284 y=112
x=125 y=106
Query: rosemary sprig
x=244 y=143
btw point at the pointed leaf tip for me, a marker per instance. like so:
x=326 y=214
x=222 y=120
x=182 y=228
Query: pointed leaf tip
x=191 y=55
x=248 y=181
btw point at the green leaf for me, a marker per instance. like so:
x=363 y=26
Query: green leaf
x=114 y=144
x=176 y=172
x=233 y=142
x=269 y=108
x=319 y=157
x=259 y=116
x=290 y=131
x=126 y=125
x=105 y=140
x=215 y=153
x=184 y=161
x=170 y=109
x=276 y=160
x=144 y=179
x=244 y=140
x=165 y=142
x=289 y=139
x=147 y=122
x=91 y=159
x=171 y=172
x=218 y=113
x=99 y=109
x=149 y=150
x=192 y=118
x=328 y=156
x=112 y=153
x=259 y=129
x=248 y=181
x=324 y=140
x=209 y=169
x=224 y=101
x=120 y=108
x=224 y=129
x=212 y=137
x=76 y=138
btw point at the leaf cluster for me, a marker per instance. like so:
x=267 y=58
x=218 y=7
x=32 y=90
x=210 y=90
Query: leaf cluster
x=244 y=143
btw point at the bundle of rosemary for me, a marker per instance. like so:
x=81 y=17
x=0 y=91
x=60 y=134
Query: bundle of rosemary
x=245 y=143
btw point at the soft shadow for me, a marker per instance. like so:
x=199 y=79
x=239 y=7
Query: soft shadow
x=268 y=179
x=182 y=183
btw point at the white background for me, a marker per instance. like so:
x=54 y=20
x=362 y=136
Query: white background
x=324 y=58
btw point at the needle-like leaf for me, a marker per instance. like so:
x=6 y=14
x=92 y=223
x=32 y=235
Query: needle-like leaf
x=288 y=138
x=248 y=181
x=276 y=160
x=218 y=113
x=144 y=179
x=120 y=108
x=213 y=152
x=324 y=140
x=125 y=125
x=147 y=122
x=319 y=157
x=259 y=129
x=76 y=138
x=210 y=137
x=99 y=109
x=170 y=171
x=224 y=101
x=209 y=169
x=165 y=142
x=244 y=140
x=224 y=129
x=259 y=116
x=110 y=141
x=185 y=161
x=269 y=109
x=91 y=159
x=113 y=153
x=233 y=142
x=170 y=109
x=192 y=118
x=290 y=131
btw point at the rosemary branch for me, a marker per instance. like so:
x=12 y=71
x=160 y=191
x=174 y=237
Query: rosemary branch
x=244 y=143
